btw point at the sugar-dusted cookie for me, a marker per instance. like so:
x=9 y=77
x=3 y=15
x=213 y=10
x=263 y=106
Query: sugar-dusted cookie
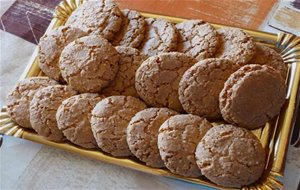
x=43 y=109
x=197 y=39
x=110 y=118
x=101 y=17
x=132 y=31
x=160 y=36
x=158 y=77
x=51 y=46
x=201 y=85
x=89 y=64
x=124 y=82
x=18 y=100
x=252 y=96
x=142 y=133
x=230 y=156
x=177 y=140
x=73 y=119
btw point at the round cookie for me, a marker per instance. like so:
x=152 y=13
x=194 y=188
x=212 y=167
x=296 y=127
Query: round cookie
x=235 y=45
x=18 y=100
x=200 y=86
x=43 y=108
x=268 y=56
x=142 y=133
x=197 y=39
x=177 y=140
x=73 y=119
x=110 y=118
x=157 y=79
x=123 y=84
x=89 y=64
x=101 y=17
x=160 y=36
x=132 y=30
x=252 y=96
x=230 y=156
x=51 y=46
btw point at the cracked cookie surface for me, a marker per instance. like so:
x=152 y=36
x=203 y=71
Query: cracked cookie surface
x=177 y=140
x=43 y=108
x=142 y=133
x=230 y=156
x=124 y=82
x=110 y=118
x=200 y=86
x=73 y=119
x=89 y=64
x=158 y=77
x=197 y=39
x=235 y=45
x=268 y=56
x=160 y=36
x=18 y=100
x=132 y=31
x=50 y=47
x=252 y=96
x=101 y=17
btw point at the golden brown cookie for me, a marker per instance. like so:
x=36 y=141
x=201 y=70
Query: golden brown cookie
x=18 y=100
x=43 y=109
x=142 y=133
x=73 y=119
x=89 y=64
x=200 y=86
x=110 y=118
x=268 y=56
x=160 y=36
x=230 y=156
x=197 y=39
x=101 y=17
x=252 y=96
x=177 y=140
x=235 y=45
x=132 y=30
x=158 y=77
x=124 y=82
x=51 y=46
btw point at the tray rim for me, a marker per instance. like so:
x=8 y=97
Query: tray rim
x=276 y=172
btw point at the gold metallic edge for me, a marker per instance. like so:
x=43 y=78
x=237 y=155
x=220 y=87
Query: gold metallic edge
x=273 y=180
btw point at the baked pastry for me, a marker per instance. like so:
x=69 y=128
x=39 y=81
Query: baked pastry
x=89 y=64
x=51 y=46
x=43 y=108
x=157 y=79
x=124 y=82
x=101 y=17
x=268 y=56
x=73 y=119
x=18 y=100
x=230 y=156
x=110 y=118
x=160 y=37
x=142 y=133
x=177 y=140
x=200 y=86
x=132 y=31
x=236 y=45
x=252 y=96
x=197 y=39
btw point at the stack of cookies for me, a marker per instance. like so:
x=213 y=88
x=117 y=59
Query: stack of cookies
x=143 y=87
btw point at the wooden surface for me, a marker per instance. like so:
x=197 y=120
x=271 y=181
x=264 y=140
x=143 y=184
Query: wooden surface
x=240 y=13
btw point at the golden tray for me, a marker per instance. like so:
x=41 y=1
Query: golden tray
x=274 y=136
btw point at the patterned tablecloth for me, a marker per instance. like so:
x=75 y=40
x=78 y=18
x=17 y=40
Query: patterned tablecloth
x=27 y=165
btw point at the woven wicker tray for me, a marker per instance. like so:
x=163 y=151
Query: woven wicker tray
x=274 y=136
